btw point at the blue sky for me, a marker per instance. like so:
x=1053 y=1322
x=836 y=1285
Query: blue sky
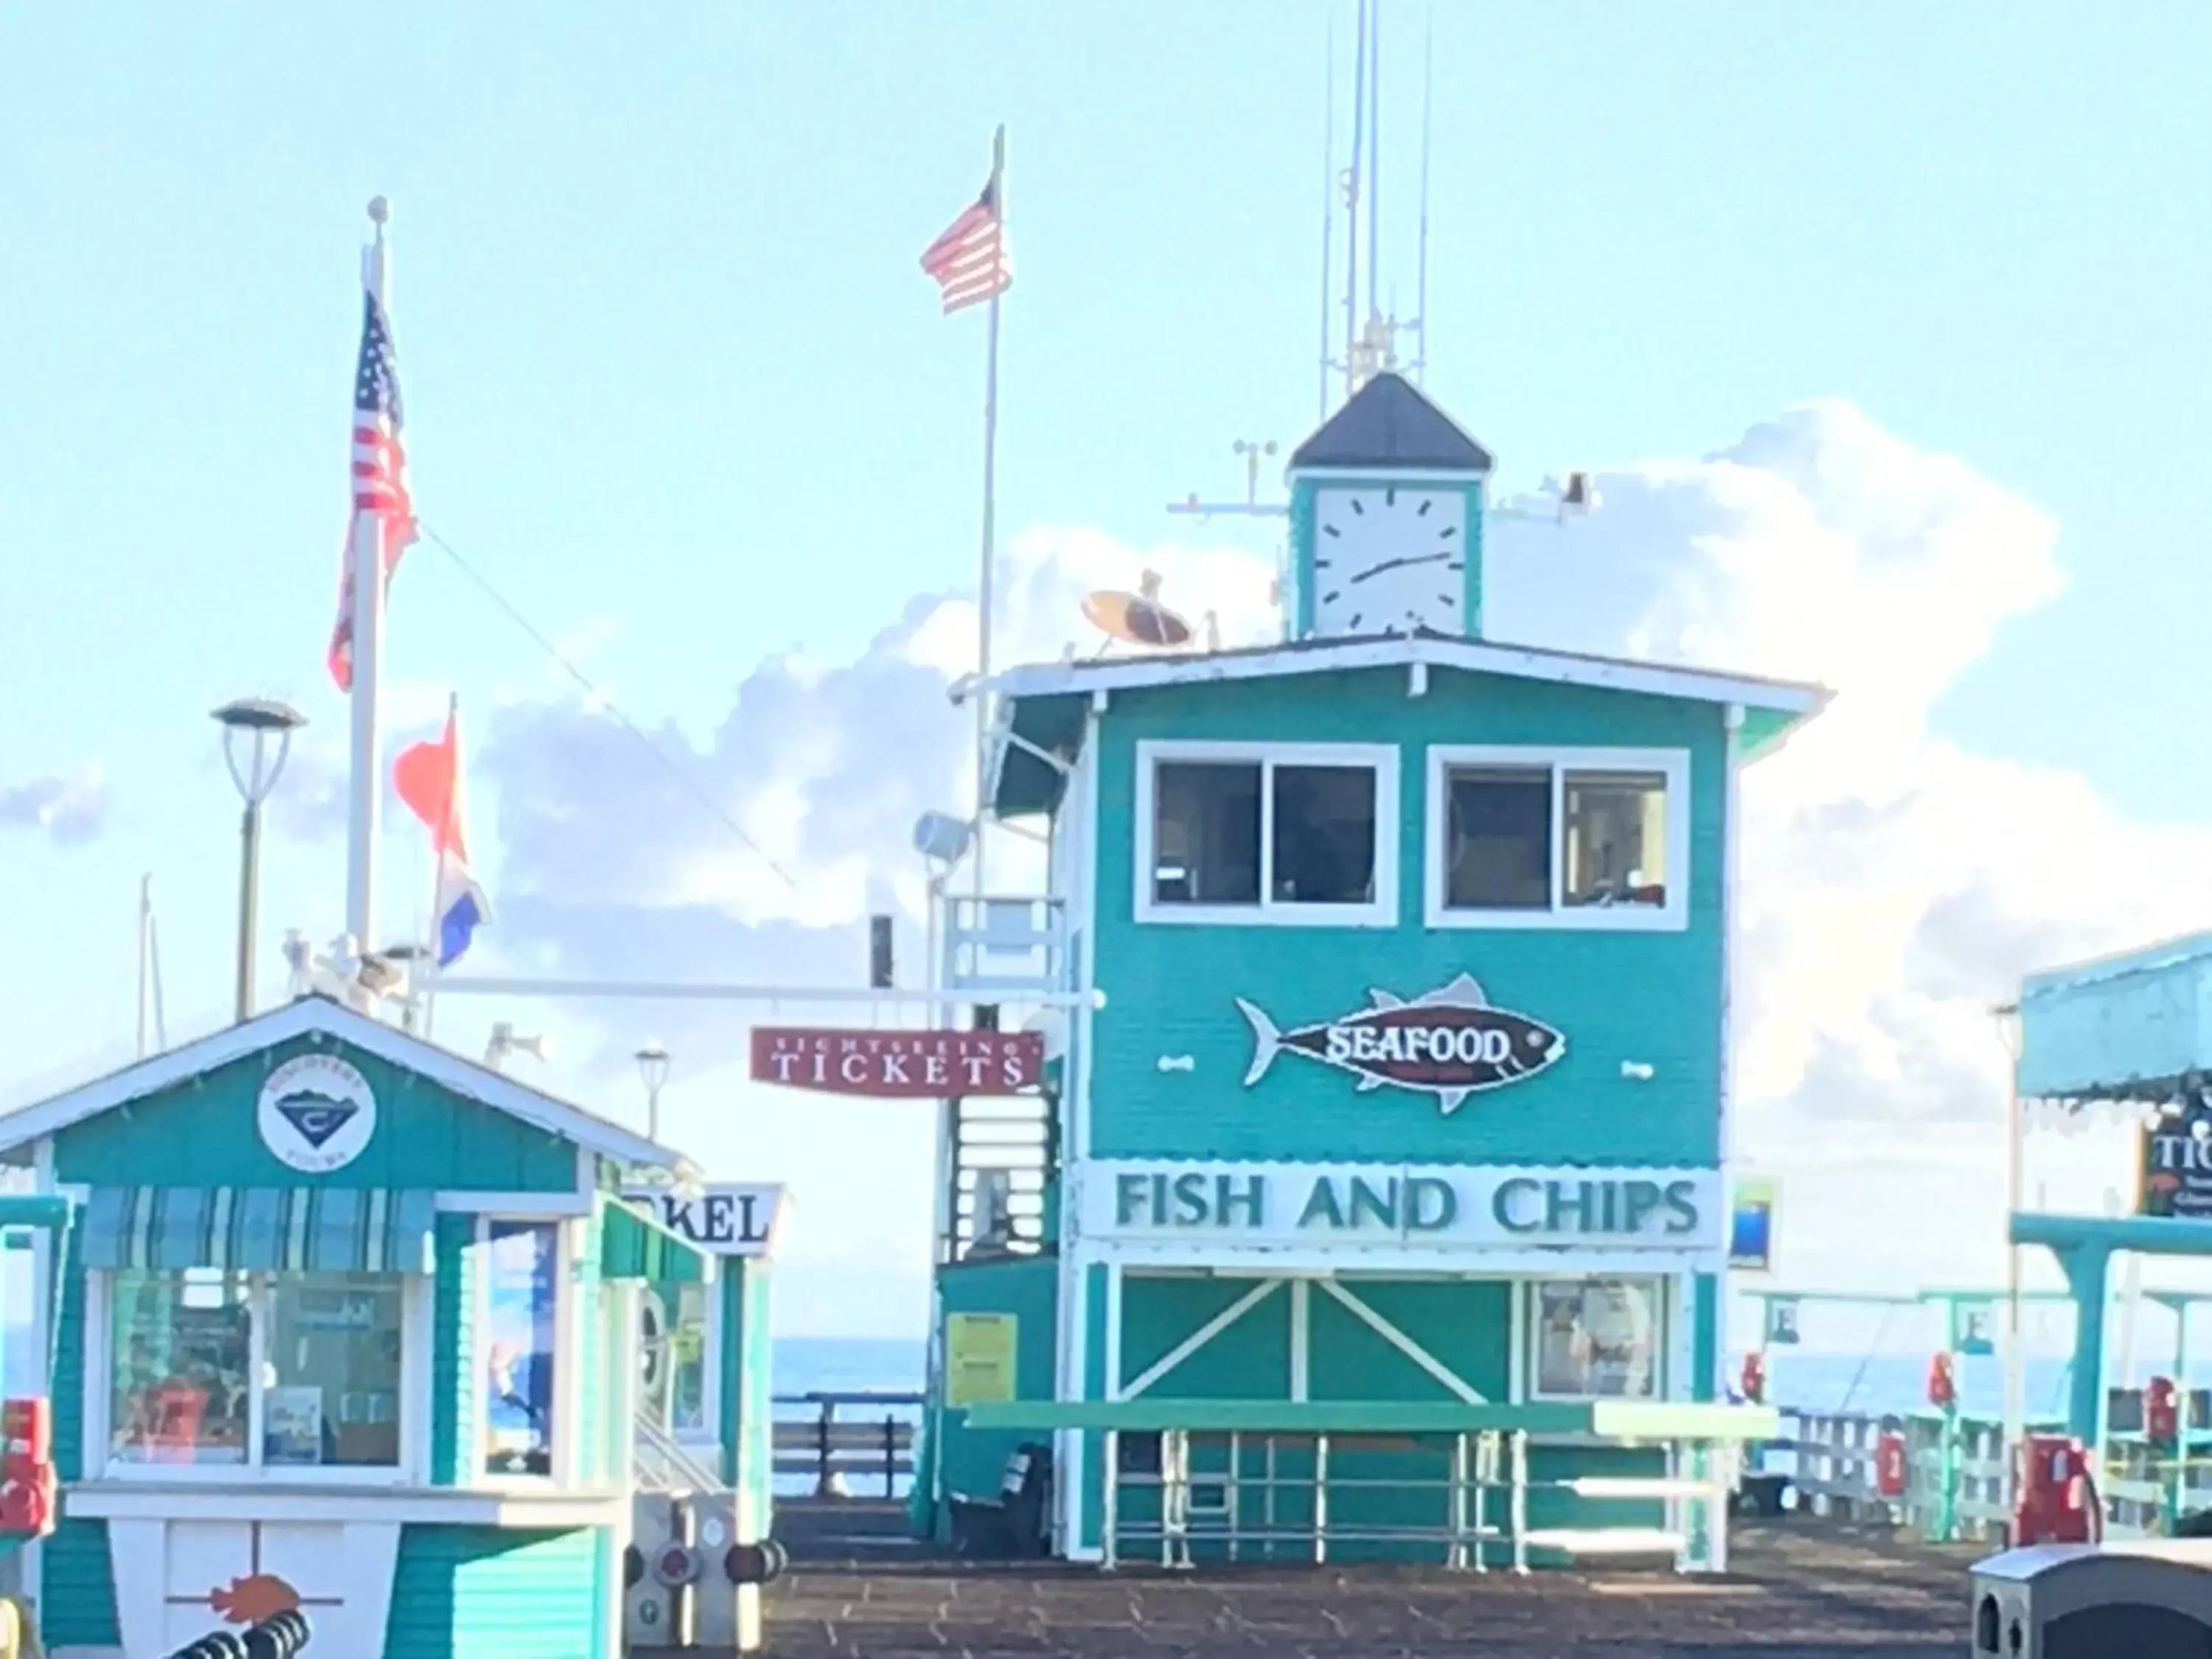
x=675 y=384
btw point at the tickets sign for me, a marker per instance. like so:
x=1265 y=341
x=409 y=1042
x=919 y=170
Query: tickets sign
x=920 y=1065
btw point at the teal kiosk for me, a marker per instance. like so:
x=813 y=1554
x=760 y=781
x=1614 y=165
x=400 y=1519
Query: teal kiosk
x=350 y=1324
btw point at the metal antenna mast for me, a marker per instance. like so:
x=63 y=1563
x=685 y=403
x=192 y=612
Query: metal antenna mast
x=1374 y=154
x=1327 y=203
x=1421 y=277
x=1352 y=208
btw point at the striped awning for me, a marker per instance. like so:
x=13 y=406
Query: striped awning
x=260 y=1229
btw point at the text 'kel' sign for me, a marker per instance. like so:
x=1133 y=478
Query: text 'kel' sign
x=923 y=1065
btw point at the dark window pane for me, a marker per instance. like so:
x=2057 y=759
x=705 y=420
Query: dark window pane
x=1616 y=824
x=1500 y=842
x=1206 y=833
x=1324 y=835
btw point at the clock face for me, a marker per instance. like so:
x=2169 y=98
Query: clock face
x=1387 y=558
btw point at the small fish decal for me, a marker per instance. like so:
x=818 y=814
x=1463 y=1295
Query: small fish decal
x=1450 y=1043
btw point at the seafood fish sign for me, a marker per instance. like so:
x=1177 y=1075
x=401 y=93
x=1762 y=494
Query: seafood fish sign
x=1450 y=1043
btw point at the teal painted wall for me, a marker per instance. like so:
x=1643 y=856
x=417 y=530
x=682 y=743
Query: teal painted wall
x=1376 y=1483
x=595 y=1390
x=1306 y=581
x=485 y=1593
x=1650 y=997
x=1027 y=1287
x=453 y=1353
x=1465 y=1324
x=748 y=1384
x=1249 y=1360
x=76 y=1587
x=202 y=1133
x=1705 y=1338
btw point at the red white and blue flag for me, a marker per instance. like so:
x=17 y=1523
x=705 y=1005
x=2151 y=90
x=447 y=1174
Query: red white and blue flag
x=379 y=473
x=970 y=262
x=427 y=776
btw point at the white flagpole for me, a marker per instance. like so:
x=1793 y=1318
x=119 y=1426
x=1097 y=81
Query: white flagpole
x=368 y=556
x=990 y=517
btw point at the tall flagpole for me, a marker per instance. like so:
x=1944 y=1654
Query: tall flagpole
x=367 y=646
x=990 y=514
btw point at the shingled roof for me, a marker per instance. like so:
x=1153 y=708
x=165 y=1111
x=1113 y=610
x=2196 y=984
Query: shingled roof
x=1388 y=423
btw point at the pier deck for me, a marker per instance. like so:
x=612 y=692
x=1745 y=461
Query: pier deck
x=1801 y=1590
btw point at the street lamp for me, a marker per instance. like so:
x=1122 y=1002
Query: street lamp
x=257 y=736
x=652 y=1068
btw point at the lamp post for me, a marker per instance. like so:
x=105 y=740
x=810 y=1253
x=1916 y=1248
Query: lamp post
x=257 y=736
x=652 y=1068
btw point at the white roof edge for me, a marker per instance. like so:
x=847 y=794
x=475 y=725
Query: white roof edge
x=1473 y=656
x=297 y=1018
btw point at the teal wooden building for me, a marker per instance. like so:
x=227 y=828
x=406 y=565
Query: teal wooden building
x=349 y=1322
x=1406 y=1091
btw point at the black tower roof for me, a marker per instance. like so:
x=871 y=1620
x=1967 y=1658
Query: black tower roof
x=1389 y=423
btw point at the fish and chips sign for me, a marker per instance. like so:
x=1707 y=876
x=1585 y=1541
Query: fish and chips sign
x=896 y=1064
x=1450 y=1043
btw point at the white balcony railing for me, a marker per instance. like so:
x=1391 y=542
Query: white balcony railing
x=1002 y=944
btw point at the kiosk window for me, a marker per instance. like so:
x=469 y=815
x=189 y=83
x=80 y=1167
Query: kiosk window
x=333 y=1398
x=522 y=1297
x=248 y=1370
x=1244 y=835
x=183 y=1363
x=1597 y=1338
x=687 y=1410
x=1521 y=837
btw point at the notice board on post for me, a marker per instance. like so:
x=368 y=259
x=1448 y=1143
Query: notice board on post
x=979 y=1357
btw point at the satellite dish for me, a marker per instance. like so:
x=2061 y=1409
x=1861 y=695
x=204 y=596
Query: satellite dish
x=1137 y=619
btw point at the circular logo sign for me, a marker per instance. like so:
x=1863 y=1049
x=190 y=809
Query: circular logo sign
x=316 y=1113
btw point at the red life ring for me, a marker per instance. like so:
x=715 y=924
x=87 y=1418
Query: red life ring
x=1755 y=1378
x=1942 y=1386
x=1889 y=1466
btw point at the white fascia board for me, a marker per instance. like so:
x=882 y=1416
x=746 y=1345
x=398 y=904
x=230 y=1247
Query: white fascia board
x=1468 y=656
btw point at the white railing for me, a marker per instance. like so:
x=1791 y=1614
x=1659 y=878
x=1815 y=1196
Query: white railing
x=665 y=1464
x=1007 y=944
x=1956 y=1488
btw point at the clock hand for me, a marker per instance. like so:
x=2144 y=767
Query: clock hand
x=1394 y=564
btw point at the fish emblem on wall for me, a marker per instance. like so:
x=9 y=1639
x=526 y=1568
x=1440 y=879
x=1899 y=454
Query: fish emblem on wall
x=1450 y=1043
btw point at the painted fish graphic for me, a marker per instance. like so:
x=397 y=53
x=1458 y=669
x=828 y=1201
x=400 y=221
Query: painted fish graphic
x=1450 y=1043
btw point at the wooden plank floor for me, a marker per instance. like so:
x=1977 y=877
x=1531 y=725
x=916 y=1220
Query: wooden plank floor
x=1803 y=1590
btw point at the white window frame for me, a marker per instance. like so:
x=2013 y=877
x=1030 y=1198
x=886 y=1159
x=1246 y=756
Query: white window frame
x=568 y=1356
x=1530 y=1311
x=1383 y=759
x=1673 y=764
x=416 y=1315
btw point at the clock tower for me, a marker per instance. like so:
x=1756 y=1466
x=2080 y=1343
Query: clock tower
x=1386 y=520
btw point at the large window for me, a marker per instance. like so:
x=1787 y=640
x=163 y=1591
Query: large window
x=232 y=1371
x=1571 y=839
x=1595 y=1338
x=522 y=1300
x=1297 y=834
x=672 y=1356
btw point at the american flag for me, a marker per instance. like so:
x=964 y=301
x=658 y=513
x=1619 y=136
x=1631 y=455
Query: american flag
x=379 y=473
x=970 y=260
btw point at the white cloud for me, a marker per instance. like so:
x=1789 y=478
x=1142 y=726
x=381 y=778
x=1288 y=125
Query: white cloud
x=69 y=811
x=1894 y=886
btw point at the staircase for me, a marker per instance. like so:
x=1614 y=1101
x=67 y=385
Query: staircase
x=1003 y=1148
